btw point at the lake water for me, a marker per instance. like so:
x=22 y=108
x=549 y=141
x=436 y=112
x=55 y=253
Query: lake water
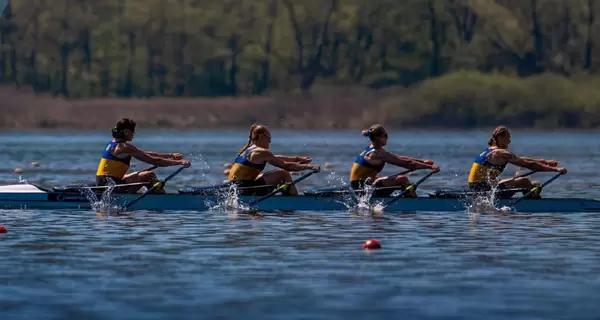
x=214 y=265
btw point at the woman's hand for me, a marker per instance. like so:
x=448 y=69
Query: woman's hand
x=176 y=156
x=303 y=160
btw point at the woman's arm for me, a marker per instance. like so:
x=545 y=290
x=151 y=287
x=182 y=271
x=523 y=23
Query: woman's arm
x=405 y=162
x=143 y=156
x=269 y=157
x=176 y=156
x=529 y=163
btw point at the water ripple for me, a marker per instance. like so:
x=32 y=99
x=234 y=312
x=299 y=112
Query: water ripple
x=214 y=265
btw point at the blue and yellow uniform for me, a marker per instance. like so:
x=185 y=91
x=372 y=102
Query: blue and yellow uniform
x=245 y=173
x=111 y=166
x=364 y=172
x=483 y=173
x=244 y=170
x=362 y=169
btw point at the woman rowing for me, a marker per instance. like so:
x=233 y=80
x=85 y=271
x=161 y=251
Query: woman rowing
x=373 y=158
x=246 y=171
x=117 y=156
x=489 y=164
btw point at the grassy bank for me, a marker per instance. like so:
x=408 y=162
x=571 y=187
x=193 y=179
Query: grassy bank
x=458 y=100
x=471 y=99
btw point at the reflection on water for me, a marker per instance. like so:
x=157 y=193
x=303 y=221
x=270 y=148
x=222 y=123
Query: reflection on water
x=63 y=265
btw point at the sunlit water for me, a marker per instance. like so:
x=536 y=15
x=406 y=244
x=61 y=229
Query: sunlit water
x=217 y=265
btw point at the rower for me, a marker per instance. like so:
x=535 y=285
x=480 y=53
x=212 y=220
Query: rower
x=246 y=171
x=489 y=164
x=117 y=156
x=373 y=158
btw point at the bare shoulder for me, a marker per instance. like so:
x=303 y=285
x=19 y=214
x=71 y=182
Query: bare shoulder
x=261 y=154
x=503 y=154
x=261 y=151
x=127 y=148
x=381 y=154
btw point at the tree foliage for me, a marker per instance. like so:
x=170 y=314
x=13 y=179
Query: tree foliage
x=175 y=48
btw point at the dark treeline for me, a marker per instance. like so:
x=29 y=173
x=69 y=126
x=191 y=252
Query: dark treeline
x=208 y=48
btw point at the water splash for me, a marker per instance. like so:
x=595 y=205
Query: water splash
x=333 y=178
x=203 y=166
x=227 y=199
x=105 y=204
x=360 y=202
x=485 y=202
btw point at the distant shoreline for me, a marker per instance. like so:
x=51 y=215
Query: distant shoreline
x=448 y=103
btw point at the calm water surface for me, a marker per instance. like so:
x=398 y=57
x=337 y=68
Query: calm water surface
x=216 y=265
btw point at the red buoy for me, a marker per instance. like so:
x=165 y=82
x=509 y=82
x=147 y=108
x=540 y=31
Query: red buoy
x=371 y=244
x=3 y=229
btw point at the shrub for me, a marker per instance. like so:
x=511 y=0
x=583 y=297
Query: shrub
x=472 y=99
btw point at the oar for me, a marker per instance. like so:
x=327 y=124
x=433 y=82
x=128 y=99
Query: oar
x=411 y=187
x=154 y=187
x=281 y=188
x=352 y=192
x=537 y=189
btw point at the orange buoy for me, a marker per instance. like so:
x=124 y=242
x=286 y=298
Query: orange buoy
x=3 y=229
x=371 y=244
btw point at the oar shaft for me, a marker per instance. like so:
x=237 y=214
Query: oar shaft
x=411 y=187
x=551 y=179
x=279 y=189
x=154 y=187
x=535 y=189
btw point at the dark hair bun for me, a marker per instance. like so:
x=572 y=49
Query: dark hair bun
x=123 y=124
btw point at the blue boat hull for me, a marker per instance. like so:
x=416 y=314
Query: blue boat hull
x=189 y=202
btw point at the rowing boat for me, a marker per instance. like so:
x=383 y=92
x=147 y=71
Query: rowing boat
x=32 y=196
